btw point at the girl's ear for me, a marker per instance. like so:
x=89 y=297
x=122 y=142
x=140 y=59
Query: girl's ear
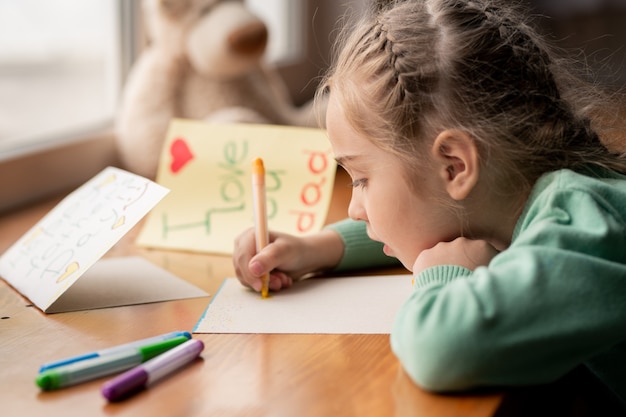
x=456 y=160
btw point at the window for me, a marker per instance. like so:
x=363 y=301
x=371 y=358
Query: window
x=60 y=67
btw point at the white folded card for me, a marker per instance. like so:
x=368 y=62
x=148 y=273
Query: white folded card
x=47 y=261
x=346 y=305
x=113 y=282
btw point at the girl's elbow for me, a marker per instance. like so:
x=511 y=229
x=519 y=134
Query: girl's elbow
x=436 y=366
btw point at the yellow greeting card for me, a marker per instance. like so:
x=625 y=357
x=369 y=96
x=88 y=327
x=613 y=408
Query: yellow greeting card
x=207 y=168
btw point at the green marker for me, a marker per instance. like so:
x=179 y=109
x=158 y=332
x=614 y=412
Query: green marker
x=78 y=372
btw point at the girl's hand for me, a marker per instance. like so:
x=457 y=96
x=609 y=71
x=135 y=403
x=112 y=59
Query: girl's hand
x=461 y=251
x=287 y=258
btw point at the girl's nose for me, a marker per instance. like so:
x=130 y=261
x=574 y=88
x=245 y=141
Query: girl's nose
x=355 y=209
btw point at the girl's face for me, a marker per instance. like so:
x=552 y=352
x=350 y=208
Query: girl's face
x=405 y=220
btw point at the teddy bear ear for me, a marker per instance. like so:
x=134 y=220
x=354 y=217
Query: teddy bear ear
x=175 y=8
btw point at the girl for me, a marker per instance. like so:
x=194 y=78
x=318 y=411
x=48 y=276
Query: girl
x=476 y=165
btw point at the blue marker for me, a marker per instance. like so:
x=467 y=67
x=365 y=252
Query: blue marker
x=114 y=350
x=75 y=373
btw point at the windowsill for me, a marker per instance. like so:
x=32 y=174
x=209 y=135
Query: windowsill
x=33 y=176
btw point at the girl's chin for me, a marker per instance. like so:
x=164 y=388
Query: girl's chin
x=387 y=250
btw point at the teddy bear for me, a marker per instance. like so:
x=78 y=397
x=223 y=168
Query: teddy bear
x=204 y=60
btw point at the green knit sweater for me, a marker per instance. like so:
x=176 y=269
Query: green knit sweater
x=554 y=299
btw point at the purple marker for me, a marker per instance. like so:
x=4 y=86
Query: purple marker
x=152 y=370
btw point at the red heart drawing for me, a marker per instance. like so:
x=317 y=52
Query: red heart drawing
x=181 y=154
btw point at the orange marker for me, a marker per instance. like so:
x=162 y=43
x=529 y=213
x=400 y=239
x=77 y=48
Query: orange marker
x=260 y=214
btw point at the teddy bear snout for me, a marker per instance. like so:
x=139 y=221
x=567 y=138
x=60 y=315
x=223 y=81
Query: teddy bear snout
x=250 y=39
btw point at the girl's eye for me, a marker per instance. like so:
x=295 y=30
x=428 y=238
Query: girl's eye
x=358 y=183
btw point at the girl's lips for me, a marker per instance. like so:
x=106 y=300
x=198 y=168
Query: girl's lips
x=386 y=250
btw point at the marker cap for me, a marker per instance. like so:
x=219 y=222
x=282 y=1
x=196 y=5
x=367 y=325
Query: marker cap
x=155 y=349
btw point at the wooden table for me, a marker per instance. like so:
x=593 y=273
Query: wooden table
x=238 y=375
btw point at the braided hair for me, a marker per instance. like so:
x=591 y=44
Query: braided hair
x=413 y=68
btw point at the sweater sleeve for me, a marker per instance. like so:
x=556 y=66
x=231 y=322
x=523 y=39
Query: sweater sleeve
x=554 y=299
x=359 y=250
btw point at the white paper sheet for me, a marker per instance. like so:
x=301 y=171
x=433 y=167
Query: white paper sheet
x=347 y=305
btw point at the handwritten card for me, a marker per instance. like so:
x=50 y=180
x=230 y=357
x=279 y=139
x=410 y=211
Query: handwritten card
x=208 y=169
x=347 y=305
x=122 y=281
x=44 y=263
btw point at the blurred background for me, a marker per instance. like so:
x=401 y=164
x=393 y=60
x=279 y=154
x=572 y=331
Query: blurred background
x=63 y=63
x=597 y=28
